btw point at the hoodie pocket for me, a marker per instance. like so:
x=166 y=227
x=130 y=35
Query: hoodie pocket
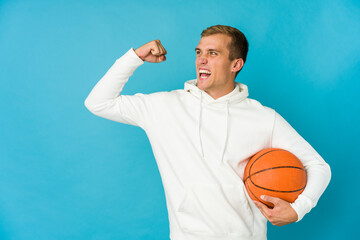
x=216 y=211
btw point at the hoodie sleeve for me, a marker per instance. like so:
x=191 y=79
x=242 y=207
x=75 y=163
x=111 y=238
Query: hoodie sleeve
x=317 y=170
x=105 y=100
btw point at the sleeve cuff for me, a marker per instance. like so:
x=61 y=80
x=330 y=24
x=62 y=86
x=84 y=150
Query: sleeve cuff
x=133 y=55
x=302 y=206
x=127 y=63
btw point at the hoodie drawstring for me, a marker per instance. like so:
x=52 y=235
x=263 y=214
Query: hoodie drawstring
x=226 y=129
x=201 y=147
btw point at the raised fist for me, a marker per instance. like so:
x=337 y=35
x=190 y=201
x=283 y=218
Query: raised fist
x=153 y=52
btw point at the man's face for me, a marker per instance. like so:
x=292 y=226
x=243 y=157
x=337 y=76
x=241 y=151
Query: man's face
x=215 y=72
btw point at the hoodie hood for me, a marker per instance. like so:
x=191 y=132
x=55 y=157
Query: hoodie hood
x=239 y=93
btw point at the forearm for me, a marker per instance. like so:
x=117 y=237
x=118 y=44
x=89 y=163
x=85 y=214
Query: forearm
x=317 y=170
x=318 y=178
x=112 y=83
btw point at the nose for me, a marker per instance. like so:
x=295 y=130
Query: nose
x=202 y=59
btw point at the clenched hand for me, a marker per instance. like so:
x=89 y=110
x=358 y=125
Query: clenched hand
x=153 y=52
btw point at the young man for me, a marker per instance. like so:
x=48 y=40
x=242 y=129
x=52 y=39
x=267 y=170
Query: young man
x=203 y=136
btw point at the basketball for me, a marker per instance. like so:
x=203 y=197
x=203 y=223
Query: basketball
x=274 y=172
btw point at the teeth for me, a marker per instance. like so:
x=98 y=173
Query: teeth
x=204 y=71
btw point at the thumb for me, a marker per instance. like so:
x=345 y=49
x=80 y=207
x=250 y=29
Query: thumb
x=161 y=58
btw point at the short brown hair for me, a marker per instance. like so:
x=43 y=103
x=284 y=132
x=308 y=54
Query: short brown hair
x=238 y=46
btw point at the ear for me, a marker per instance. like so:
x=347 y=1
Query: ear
x=238 y=64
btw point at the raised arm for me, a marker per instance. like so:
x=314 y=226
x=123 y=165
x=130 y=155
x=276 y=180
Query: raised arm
x=105 y=100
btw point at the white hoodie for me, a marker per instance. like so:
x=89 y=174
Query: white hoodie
x=201 y=146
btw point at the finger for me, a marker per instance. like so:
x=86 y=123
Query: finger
x=263 y=208
x=262 y=212
x=155 y=49
x=273 y=200
x=161 y=47
x=162 y=58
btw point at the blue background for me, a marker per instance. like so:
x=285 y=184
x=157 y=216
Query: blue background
x=67 y=174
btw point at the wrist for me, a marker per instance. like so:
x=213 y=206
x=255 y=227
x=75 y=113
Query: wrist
x=138 y=53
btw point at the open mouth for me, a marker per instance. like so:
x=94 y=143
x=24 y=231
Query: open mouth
x=204 y=74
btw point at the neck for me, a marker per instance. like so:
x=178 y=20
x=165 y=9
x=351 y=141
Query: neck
x=220 y=93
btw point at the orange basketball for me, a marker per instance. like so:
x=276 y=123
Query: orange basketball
x=274 y=172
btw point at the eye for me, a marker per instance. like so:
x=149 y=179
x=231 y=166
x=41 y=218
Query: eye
x=212 y=53
x=197 y=52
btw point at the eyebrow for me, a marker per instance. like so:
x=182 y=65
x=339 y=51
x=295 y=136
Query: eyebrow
x=209 y=50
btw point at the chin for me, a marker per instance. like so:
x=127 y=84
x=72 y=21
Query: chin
x=202 y=84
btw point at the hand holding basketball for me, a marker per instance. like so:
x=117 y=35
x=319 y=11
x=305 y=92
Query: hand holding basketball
x=274 y=172
x=281 y=214
x=153 y=52
x=279 y=173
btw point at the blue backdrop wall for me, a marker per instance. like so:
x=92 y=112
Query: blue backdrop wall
x=67 y=174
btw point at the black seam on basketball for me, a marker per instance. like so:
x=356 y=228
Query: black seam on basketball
x=256 y=196
x=258 y=158
x=271 y=169
x=277 y=190
x=249 y=176
x=263 y=155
